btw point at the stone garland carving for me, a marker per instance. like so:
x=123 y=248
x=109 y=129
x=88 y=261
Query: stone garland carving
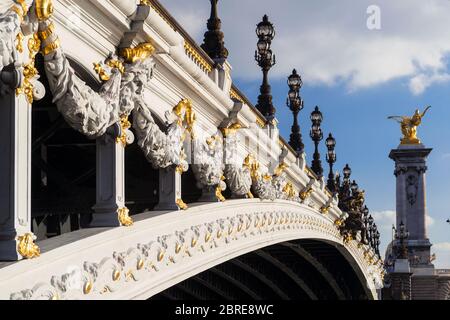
x=97 y=280
x=85 y=110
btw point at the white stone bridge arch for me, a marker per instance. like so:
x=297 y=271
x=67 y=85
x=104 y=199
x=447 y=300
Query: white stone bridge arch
x=163 y=249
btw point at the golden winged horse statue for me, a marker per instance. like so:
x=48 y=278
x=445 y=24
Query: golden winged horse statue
x=409 y=126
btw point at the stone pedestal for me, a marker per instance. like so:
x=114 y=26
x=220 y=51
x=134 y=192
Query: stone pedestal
x=169 y=189
x=15 y=173
x=410 y=169
x=110 y=180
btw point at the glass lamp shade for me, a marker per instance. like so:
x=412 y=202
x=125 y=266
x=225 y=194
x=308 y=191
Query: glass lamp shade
x=366 y=211
x=354 y=186
x=316 y=116
x=330 y=142
x=265 y=29
x=295 y=81
x=347 y=171
x=263 y=47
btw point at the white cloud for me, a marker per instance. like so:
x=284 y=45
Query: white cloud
x=442 y=251
x=421 y=82
x=329 y=42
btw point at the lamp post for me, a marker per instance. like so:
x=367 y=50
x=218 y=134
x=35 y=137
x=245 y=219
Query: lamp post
x=331 y=159
x=317 y=136
x=371 y=222
x=402 y=234
x=266 y=60
x=365 y=213
x=295 y=103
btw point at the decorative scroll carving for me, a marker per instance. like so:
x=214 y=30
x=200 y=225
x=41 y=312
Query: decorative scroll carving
x=122 y=269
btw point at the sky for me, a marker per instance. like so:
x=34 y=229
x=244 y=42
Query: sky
x=360 y=61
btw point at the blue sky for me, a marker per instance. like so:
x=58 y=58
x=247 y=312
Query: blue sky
x=358 y=77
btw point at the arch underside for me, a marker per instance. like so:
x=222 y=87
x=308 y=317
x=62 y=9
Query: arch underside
x=294 y=270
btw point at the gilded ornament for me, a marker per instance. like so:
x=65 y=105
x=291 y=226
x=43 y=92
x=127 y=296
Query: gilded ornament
x=408 y=126
x=231 y=130
x=181 y=205
x=140 y=264
x=178 y=248
x=194 y=242
x=43 y=35
x=125 y=124
x=325 y=209
x=190 y=118
x=207 y=237
x=306 y=193
x=103 y=75
x=339 y=222
x=116 y=275
x=219 y=194
x=51 y=47
x=87 y=288
x=29 y=70
x=280 y=169
x=44 y=9
x=289 y=190
x=161 y=255
x=22 y=11
x=139 y=53
x=124 y=218
x=19 y=39
x=26 y=246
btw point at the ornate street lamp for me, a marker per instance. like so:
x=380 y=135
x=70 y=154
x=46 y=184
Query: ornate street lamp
x=295 y=103
x=370 y=229
x=331 y=159
x=354 y=187
x=402 y=234
x=377 y=244
x=266 y=60
x=317 y=136
x=213 y=43
x=347 y=173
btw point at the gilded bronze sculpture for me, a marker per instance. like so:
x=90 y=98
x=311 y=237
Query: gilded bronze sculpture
x=409 y=126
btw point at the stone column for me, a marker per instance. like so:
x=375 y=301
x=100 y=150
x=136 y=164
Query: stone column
x=410 y=168
x=169 y=190
x=15 y=167
x=110 y=209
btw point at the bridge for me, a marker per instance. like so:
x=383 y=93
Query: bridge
x=133 y=168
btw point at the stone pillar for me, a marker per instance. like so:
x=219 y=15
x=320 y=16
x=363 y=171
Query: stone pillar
x=401 y=280
x=15 y=167
x=169 y=190
x=110 y=180
x=410 y=168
